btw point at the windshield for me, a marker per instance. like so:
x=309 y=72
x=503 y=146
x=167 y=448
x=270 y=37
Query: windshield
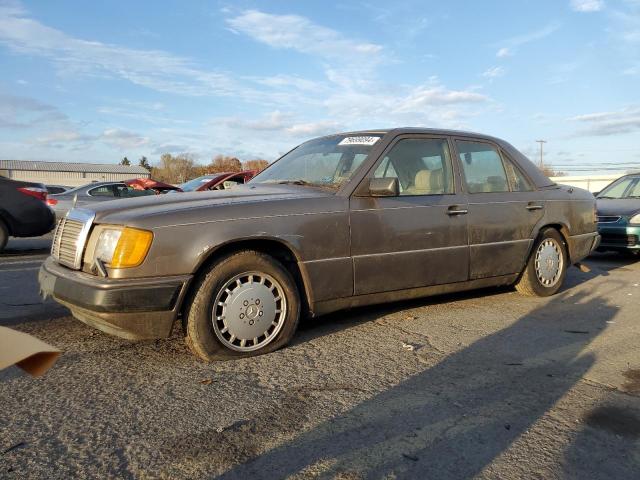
x=628 y=187
x=325 y=162
x=192 y=185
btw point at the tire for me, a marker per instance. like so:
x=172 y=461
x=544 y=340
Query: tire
x=4 y=235
x=544 y=279
x=241 y=295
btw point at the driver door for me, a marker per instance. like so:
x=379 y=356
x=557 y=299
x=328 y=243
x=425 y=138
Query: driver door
x=418 y=238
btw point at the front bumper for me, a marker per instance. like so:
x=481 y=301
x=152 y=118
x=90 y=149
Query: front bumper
x=129 y=308
x=619 y=237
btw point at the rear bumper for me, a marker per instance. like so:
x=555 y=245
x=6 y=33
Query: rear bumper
x=581 y=246
x=620 y=237
x=35 y=225
x=133 y=309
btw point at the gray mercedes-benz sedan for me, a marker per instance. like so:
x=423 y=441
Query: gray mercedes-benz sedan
x=340 y=221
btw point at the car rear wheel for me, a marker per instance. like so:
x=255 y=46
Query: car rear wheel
x=547 y=266
x=4 y=235
x=247 y=304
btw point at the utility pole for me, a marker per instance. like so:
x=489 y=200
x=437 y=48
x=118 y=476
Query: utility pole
x=541 y=142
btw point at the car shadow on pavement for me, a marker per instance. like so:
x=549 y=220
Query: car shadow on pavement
x=314 y=327
x=614 y=422
x=607 y=261
x=451 y=420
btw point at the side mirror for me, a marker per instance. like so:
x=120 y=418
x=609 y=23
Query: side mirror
x=384 y=187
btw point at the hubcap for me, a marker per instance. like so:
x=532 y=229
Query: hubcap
x=249 y=311
x=549 y=262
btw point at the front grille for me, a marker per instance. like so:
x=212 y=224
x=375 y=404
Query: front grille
x=619 y=239
x=70 y=237
x=608 y=219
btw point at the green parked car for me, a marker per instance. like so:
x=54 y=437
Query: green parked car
x=619 y=215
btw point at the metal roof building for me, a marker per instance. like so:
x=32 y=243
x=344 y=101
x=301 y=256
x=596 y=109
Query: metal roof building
x=69 y=173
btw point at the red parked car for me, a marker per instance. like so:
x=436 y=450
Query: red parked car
x=150 y=184
x=218 y=181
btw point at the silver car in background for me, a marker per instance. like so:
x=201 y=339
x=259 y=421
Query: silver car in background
x=92 y=193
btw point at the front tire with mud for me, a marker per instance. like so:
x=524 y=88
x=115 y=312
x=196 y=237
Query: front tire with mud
x=246 y=304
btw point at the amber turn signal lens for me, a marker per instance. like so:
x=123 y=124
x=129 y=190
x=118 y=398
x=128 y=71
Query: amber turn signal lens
x=132 y=248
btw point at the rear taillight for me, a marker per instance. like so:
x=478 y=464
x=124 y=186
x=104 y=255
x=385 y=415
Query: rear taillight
x=39 y=193
x=52 y=201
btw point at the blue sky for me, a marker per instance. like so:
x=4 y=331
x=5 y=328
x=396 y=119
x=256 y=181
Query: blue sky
x=95 y=81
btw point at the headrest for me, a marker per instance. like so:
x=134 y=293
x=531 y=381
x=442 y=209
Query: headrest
x=429 y=181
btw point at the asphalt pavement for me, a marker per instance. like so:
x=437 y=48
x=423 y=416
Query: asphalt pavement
x=486 y=384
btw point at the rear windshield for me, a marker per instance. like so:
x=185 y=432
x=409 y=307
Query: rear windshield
x=192 y=185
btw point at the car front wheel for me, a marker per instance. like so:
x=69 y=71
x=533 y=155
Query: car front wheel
x=547 y=266
x=246 y=304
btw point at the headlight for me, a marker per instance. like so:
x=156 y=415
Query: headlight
x=123 y=247
x=107 y=244
x=635 y=219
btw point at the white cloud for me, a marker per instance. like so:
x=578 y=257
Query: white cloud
x=314 y=129
x=494 y=72
x=434 y=96
x=154 y=69
x=299 y=33
x=510 y=45
x=123 y=139
x=626 y=120
x=351 y=96
x=587 y=5
x=18 y=112
x=70 y=137
x=285 y=123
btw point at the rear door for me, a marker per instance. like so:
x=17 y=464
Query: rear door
x=418 y=238
x=504 y=208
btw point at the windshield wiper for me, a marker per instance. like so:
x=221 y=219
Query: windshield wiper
x=294 y=182
x=610 y=198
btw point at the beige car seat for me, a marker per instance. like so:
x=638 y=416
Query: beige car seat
x=427 y=182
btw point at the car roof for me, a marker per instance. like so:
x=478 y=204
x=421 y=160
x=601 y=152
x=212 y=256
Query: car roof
x=409 y=130
x=533 y=172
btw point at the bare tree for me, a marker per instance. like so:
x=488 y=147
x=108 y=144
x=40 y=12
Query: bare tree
x=175 y=169
x=550 y=172
x=223 y=163
x=258 y=164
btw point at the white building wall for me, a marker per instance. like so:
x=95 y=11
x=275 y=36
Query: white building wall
x=593 y=183
x=71 y=179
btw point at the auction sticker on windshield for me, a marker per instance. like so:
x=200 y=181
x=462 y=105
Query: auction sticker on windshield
x=359 y=140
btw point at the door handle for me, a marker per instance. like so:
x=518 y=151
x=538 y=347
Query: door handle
x=534 y=206
x=455 y=210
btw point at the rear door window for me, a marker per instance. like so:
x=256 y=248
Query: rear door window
x=518 y=181
x=482 y=165
x=102 y=191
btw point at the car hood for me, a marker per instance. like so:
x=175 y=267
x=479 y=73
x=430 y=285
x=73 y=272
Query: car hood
x=615 y=207
x=193 y=206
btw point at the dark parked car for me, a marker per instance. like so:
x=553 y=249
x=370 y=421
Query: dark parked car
x=619 y=215
x=92 y=193
x=340 y=221
x=217 y=181
x=23 y=211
